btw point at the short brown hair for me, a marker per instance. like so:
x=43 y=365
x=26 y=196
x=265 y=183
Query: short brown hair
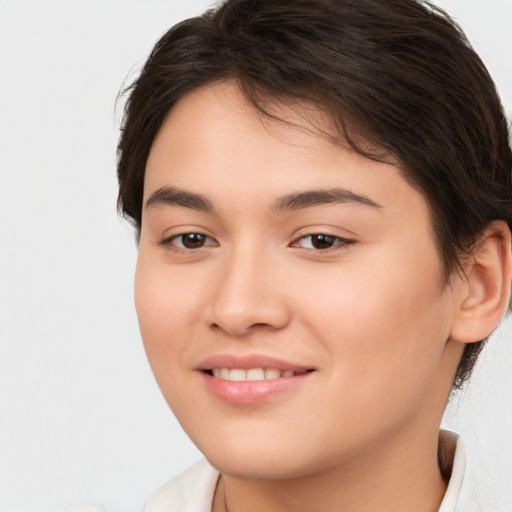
x=399 y=75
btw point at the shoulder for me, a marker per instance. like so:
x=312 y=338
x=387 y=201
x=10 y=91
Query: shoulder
x=191 y=491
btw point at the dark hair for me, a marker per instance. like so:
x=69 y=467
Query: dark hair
x=398 y=79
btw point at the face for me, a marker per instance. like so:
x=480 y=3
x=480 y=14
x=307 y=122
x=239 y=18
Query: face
x=289 y=291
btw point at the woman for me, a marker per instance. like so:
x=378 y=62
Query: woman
x=321 y=191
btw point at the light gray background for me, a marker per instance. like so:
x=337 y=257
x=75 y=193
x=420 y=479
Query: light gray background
x=81 y=419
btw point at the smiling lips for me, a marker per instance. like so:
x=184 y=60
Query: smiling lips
x=251 y=379
x=253 y=374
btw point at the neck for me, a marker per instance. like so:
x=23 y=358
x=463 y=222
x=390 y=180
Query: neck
x=403 y=477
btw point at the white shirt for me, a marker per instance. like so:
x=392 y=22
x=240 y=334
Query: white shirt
x=193 y=490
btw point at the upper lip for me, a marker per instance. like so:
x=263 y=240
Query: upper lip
x=248 y=361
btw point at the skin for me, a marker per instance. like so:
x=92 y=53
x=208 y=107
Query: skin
x=371 y=315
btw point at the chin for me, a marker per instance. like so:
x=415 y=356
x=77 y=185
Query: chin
x=256 y=466
x=265 y=457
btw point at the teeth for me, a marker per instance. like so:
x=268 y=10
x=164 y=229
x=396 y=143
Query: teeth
x=272 y=373
x=255 y=374
x=239 y=375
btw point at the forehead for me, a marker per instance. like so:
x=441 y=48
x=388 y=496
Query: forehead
x=216 y=131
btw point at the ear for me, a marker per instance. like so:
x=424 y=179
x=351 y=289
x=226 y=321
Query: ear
x=483 y=293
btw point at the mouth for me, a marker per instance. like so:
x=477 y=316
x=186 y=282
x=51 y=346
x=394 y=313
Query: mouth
x=252 y=374
x=253 y=378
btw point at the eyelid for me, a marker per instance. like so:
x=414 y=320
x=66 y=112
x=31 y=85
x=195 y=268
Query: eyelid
x=169 y=241
x=340 y=241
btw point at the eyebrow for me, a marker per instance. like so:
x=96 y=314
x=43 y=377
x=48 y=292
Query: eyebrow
x=170 y=196
x=308 y=198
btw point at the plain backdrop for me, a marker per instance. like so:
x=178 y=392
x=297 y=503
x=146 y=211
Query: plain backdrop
x=81 y=418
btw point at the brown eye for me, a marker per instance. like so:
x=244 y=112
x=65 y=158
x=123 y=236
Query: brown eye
x=322 y=241
x=188 y=241
x=192 y=240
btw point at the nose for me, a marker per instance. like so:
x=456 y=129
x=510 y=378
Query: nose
x=248 y=296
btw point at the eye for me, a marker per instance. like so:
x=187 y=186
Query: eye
x=188 y=241
x=321 y=241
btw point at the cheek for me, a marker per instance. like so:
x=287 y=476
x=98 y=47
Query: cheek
x=166 y=303
x=166 y=293
x=384 y=324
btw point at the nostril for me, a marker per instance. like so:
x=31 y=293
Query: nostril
x=242 y=328
x=260 y=325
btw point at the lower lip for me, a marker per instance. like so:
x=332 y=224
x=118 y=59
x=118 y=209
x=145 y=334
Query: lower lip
x=251 y=392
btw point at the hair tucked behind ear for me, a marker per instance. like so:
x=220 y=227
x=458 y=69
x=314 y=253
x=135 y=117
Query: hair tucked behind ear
x=398 y=79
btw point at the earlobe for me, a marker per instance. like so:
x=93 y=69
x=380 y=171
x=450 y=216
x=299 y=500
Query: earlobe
x=484 y=293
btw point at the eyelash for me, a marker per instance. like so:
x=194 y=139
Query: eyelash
x=170 y=242
x=336 y=242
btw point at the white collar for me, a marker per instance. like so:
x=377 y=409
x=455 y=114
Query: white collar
x=455 y=455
